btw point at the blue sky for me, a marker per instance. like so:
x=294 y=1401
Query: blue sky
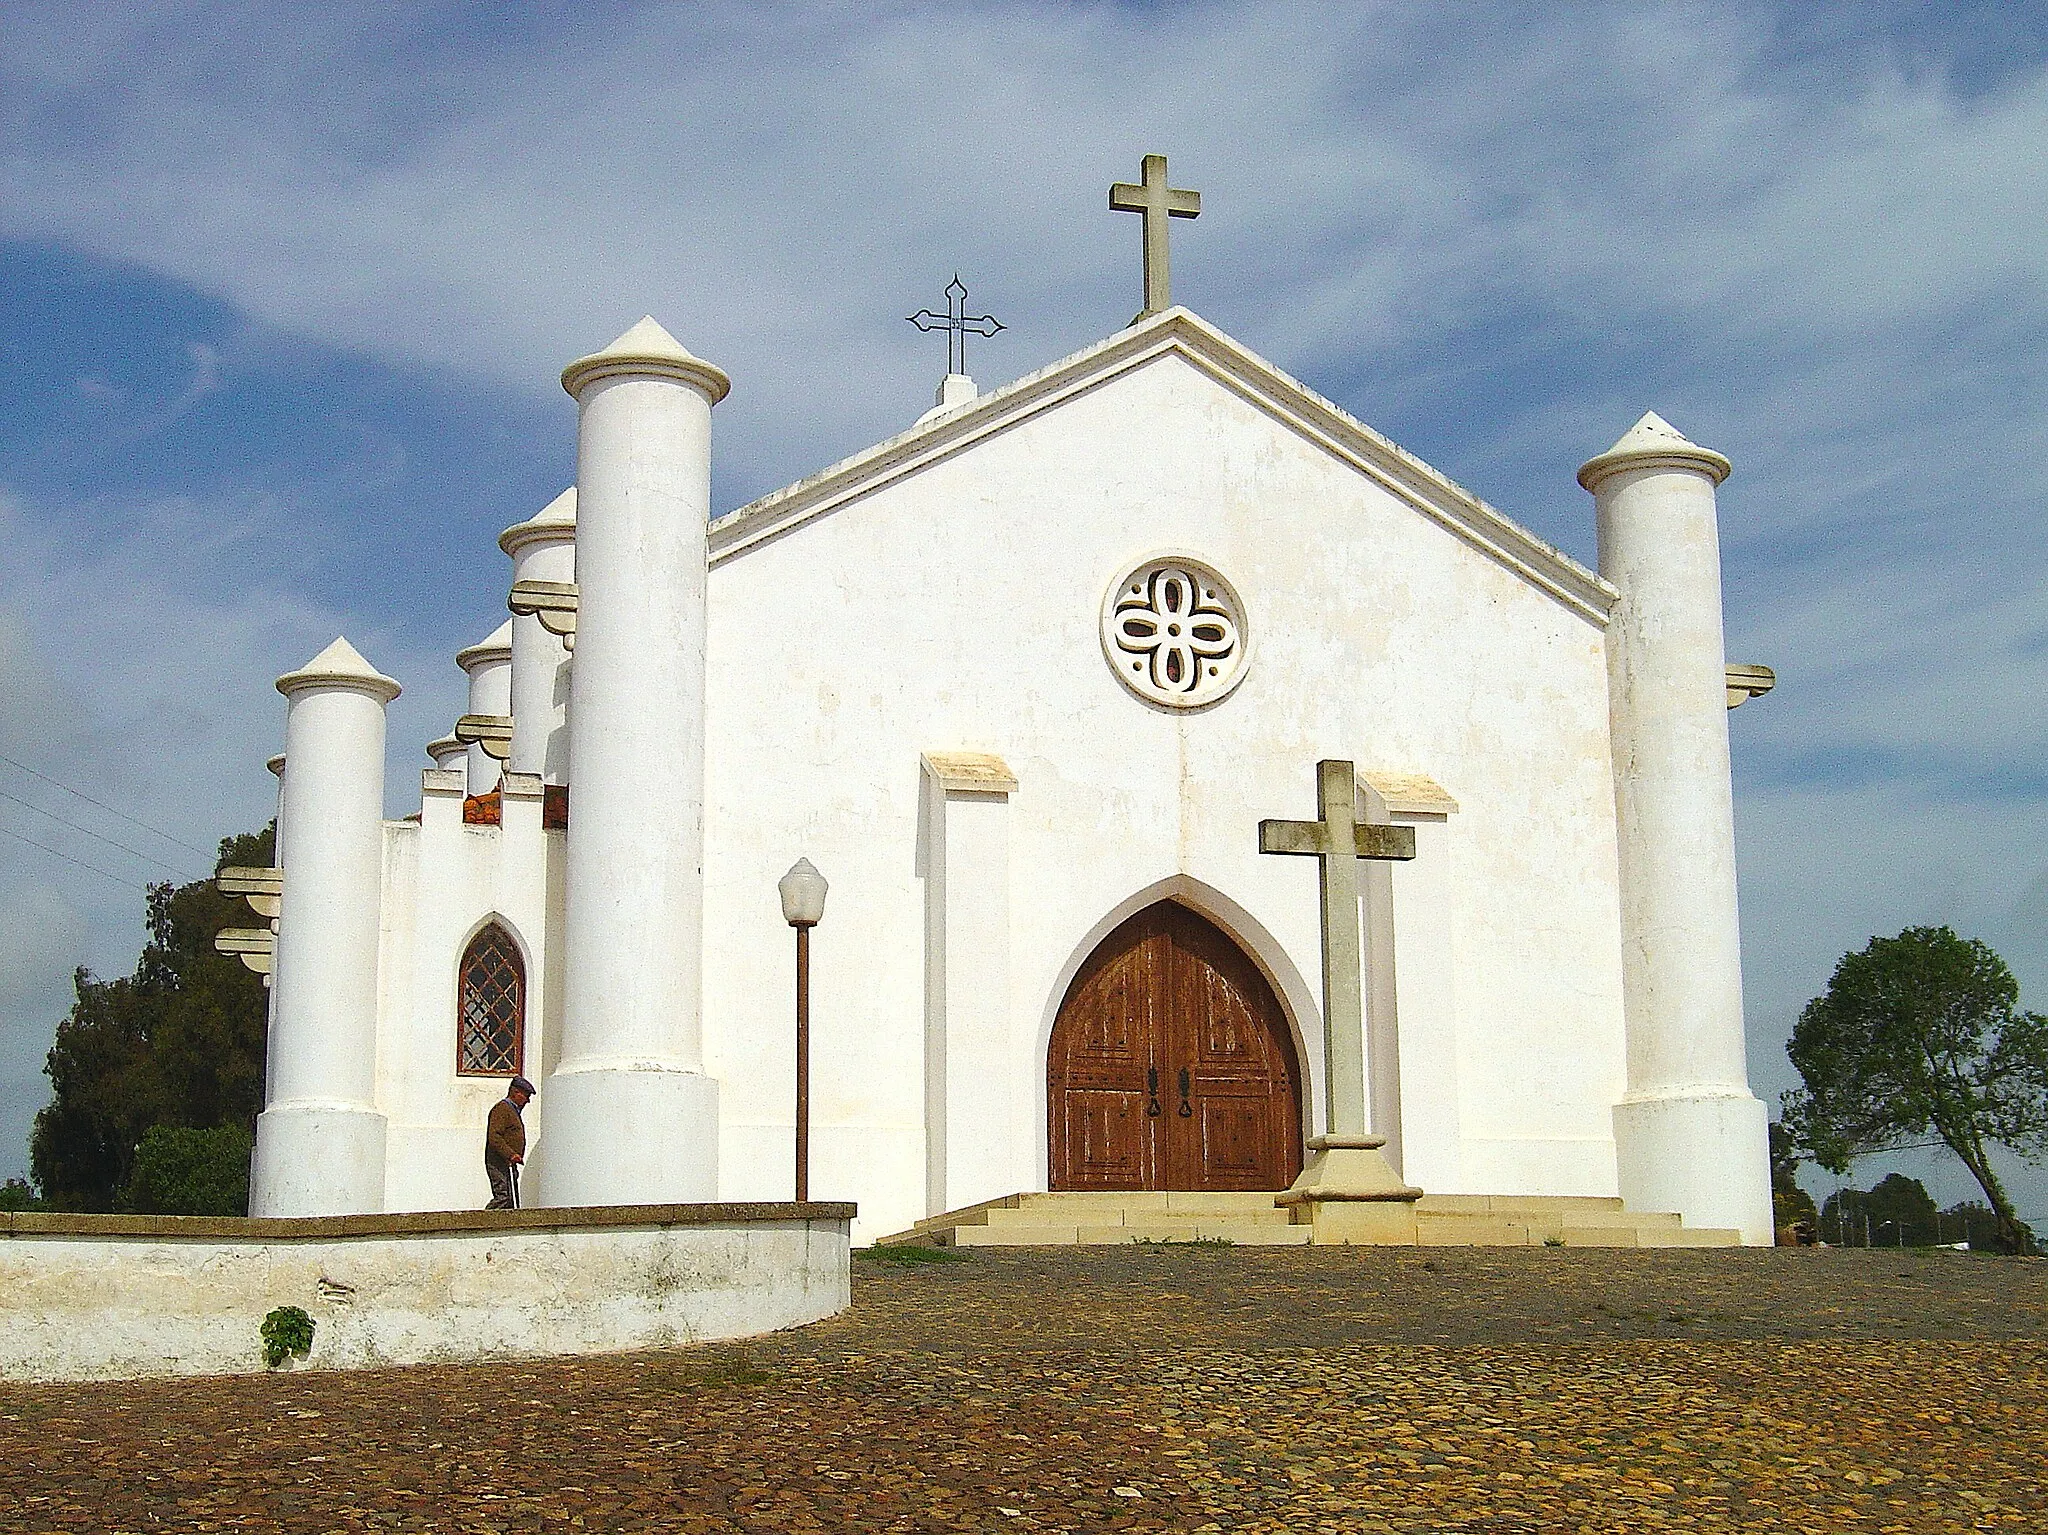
x=284 y=292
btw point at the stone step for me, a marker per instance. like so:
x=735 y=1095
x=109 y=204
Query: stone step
x=1096 y=1218
x=1692 y=1236
x=1511 y=1205
x=1471 y=1231
x=1125 y=1235
x=1114 y=1215
x=1138 y=1199
x=1630 y=1219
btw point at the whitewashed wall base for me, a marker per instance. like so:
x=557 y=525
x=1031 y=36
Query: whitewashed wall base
x=1706 y=1158
x=627 y=1136
x=383 y=1291
x=313 y=1160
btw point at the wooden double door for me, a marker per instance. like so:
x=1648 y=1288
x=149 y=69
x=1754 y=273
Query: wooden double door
x=1171 y=1065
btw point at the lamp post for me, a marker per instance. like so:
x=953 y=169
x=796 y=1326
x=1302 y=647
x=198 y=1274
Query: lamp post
x=803 y=903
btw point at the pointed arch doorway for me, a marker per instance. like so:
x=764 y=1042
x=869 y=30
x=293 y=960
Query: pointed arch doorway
x=1171 y=1065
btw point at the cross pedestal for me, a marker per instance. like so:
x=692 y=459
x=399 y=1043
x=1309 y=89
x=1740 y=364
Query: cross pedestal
x=1347 y=1188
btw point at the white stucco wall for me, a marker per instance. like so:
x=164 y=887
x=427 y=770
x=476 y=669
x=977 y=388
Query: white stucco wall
x=958 y=609
x=442 y=882
x=82 y=1305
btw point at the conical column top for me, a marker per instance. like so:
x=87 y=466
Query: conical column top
x=552 y=523
x=647 y=349
x=340 y=665
x=1653 y=442
x=498 y=647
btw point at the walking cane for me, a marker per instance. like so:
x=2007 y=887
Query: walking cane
x=515 y=1185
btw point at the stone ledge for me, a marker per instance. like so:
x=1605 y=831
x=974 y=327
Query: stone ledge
x=214 y=1228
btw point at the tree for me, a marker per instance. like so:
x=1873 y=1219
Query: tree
x=1971 y=1221
x=1898 y=1212
x=178 y=1043
x=1790 y=1204
x=191 y=1172
x=1918 y=1038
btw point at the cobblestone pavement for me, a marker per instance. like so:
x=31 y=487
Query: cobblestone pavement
x=1150 y=1389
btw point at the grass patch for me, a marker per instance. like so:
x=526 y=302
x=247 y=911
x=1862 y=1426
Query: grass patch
x=1182 y=1242
x=904 y=1254
x=712 y=1375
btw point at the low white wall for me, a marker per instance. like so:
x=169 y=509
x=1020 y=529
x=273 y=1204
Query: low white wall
x=114 y=1297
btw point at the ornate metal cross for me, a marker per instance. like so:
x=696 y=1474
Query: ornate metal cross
x=1339 y=839
x=957 y=324
x=1157 y=202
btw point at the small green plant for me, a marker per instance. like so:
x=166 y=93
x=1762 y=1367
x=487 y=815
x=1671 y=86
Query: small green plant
x=1553 y=1241
x=910 y=1252
x=286 y=1331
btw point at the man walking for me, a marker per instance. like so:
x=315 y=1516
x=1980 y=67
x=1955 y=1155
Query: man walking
x=505 y=1144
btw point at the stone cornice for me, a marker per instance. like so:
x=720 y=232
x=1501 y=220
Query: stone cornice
x=29 y=1223
x=1179 y=333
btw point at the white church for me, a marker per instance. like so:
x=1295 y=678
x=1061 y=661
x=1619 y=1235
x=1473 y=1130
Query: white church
x=1022 y=681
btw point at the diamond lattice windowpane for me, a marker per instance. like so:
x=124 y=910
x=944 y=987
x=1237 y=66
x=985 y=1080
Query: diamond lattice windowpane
x=492 y=1011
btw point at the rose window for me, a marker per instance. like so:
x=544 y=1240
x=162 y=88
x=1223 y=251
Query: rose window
x=1174 y=632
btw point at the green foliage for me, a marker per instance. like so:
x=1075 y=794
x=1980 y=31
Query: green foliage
x=16 y=1194
x=1898 y=1212
x=1922 y=1037
x=1971 y=1221
x=1790 y=1204
x=191 y=1172
x=906 y=1253
x=286 y=1331
x=178 y=1043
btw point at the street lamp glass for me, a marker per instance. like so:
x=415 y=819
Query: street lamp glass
x=803 y=894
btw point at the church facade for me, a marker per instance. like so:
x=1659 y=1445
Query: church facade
x=1022 y=682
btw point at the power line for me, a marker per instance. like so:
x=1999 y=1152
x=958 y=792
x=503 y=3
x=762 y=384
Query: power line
x=110 y=810
x=97 y=836
x=127 y=884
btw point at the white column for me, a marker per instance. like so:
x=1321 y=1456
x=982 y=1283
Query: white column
x=632 y=1116
x=1689 y=1136
x=320 y=1140
x=973 y=1100
x=488 y=665
x=542 y=550
x=276 y=766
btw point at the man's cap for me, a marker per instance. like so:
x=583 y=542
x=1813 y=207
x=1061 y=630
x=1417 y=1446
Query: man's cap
x=520 y=1085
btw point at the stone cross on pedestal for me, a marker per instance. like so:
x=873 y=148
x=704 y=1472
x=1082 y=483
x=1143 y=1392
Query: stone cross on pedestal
x=1158 y=202
x=1347 y=1186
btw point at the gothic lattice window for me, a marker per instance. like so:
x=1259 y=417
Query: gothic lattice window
x=491 y=1006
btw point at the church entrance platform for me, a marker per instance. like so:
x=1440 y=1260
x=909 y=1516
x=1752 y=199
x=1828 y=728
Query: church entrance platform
x=113 y=1297
x=1069 y=1219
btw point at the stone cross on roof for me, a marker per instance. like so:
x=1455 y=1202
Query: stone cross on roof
x=1157 y=202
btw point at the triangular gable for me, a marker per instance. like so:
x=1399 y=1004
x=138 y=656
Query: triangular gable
x=1182 y=333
